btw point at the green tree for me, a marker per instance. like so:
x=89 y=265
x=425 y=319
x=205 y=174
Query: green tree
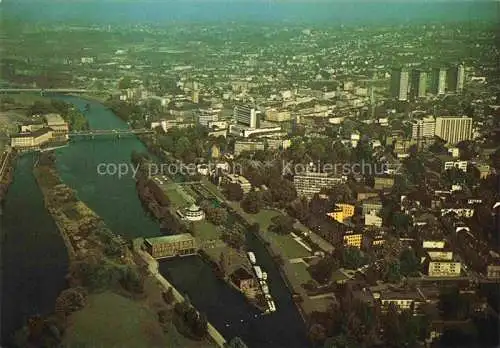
x=409 y=263
x=252 y=203
x=236 y=342
x=233 y=192
x=125 y=83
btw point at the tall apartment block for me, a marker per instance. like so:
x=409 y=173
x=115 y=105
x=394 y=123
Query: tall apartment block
x=424 y=128
x=400 y=79
x=454 y=129
x=456 y=77
x=246 y=115
x=438 y=81
x=418 y=84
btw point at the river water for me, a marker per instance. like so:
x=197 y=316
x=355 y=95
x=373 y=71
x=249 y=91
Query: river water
x=35 y=261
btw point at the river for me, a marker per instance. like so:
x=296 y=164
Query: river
x=35 y=261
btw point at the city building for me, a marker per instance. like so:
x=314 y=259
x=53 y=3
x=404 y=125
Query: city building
x=383 y=182
x=170 y=246
x=371 y=205
x=337 y=214
x=462 y=165
x=493 y=271
x=214 y=152
x=278 y=144
x=246 y=115
x=444 y=269
x=438 y=81
x=31 y=140
x=424 y=128
x=341 y=212
x=59 y=127
x=205 y=116
x=454 y=129
x=353 y=240
x=310 y=183
x=245 y=281
x=32 y=125
x=455 y=80
x=192 y=213
x=245 y=185
x=245 y=132
x=400 y=83
x=372 y=219
x=251 y=146
x=418 y=84
x=274 y=115
x=403 y=299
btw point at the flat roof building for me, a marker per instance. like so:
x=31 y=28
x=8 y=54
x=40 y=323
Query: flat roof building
x=170 y=246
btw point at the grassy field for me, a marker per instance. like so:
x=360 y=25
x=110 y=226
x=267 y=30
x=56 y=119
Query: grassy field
x=205 y=230
x=264 y=218
x=289 y=247
x=178 y=196
x=110 y=320
x=301 y=274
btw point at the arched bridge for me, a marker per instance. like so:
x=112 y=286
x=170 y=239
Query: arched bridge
x=117 y=132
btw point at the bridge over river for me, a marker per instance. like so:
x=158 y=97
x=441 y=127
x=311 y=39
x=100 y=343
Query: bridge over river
x=117 y=132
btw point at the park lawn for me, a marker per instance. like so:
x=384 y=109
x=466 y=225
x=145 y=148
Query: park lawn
x=205 y=230
x=289 y=247
x=264 y=218
x=111 y=320
x=300 y=272
x=178 y=198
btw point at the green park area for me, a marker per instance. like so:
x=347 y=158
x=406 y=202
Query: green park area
x=137 y=327
x=177 y=195
x=289 y=248
x=204 y=230
x=111 y=320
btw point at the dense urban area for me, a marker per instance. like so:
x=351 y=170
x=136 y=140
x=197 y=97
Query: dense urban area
x=365 y=159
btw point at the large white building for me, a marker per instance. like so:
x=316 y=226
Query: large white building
x=206 y=116
x=400 y=79
x=456 y=77
x=424 y=128
x=438 y=82
x=310 y=183
x=454 y=129
x=246 y=115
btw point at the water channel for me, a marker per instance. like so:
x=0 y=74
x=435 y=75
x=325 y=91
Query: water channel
x=35 y=262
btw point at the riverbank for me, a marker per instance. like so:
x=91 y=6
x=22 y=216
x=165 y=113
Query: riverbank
x=7 y=160
x=152 y=267
x=99 y=260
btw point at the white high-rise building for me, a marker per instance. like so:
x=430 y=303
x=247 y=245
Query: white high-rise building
x=400 y=79
x=454 y=129
x=456 y=77
x=438 y=84
x=246 y=115
x=424 y=128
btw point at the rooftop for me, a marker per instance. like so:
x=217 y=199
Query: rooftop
x=170 y=239
x=54 y=119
